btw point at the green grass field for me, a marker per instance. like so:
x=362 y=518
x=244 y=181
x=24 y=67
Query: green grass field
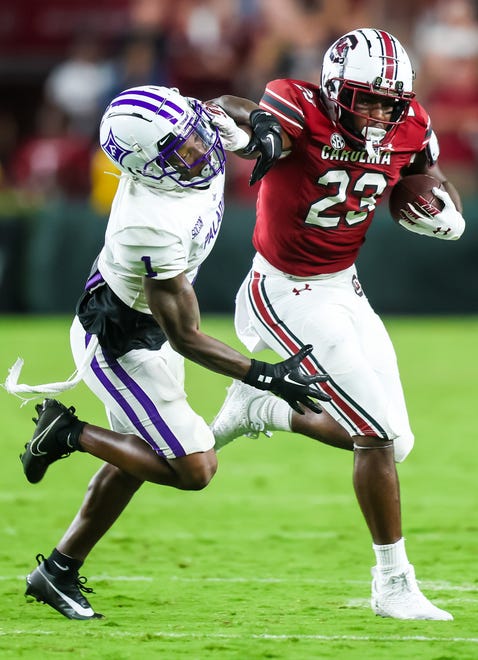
x=273 y=559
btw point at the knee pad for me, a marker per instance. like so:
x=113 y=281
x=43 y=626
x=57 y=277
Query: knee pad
x=402 y=446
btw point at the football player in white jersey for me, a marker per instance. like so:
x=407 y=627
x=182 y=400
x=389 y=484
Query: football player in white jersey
x=136 y=322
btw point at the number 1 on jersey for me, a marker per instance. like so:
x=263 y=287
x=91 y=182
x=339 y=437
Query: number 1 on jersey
x=149 y=269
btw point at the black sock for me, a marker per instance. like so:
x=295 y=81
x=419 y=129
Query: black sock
x=71 y=435
x=62 y=566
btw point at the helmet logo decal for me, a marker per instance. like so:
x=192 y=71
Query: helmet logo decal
x=337 y=141
x=116 y=152
x=341 y=48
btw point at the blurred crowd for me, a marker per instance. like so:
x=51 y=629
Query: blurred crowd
x=211 y=47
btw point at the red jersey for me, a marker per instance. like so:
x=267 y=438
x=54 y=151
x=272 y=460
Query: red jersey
x=315 y=205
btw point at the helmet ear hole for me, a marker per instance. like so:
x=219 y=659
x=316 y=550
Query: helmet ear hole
x=332 y=86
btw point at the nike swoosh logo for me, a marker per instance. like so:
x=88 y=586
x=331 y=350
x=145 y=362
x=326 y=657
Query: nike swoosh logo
x=271 y=140
x=62 y=568
x=84 y=611
x=35 y=443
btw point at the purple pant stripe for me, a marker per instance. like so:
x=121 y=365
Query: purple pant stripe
x=144 y=401
x=94 y=280
x=121 y=401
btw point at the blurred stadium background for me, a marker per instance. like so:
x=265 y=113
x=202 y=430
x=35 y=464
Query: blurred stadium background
x=60 y=62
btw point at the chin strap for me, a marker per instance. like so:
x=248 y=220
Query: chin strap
x=373 y=139
x=372 y=148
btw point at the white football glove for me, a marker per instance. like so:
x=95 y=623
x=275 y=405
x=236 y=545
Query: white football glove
x=427 y=220
x=232 y=137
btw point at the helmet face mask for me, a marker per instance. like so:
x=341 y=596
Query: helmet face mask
x=372 y=64
x=161 y=139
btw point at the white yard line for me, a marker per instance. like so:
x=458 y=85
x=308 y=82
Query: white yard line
x=279 y=638
x=426 y=584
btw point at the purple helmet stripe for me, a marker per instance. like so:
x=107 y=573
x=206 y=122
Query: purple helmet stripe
x=162 y=99
x=162 y=112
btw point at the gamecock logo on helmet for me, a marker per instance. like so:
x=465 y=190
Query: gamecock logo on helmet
x=340 y=50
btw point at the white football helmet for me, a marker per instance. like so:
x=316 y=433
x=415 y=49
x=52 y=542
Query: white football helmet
x=370 y=61
x=143 y=129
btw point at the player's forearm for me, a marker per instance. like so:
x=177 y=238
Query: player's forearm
x=236 y=107
x=174 y=305
x=211 y=354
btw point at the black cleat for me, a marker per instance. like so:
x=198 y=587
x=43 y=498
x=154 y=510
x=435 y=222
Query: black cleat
x=63 y=595
x=47 y=444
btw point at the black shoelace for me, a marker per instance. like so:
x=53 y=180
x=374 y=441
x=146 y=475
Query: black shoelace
x=79 y=580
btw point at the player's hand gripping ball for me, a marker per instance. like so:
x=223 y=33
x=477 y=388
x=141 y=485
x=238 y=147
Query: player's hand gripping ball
x=421 y=204
x=416 y=189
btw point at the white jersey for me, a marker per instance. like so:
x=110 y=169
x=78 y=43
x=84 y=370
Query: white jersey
x=158 y=234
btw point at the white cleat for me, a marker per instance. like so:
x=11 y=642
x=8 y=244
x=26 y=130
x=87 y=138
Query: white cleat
x=238 y=414
x=399 y=597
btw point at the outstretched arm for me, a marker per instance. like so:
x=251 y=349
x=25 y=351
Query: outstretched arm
x=240 y=110
x=267 y=136
x=236 y=107
x=174 y=305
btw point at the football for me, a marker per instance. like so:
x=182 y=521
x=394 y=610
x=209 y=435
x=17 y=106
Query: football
x=409 y=190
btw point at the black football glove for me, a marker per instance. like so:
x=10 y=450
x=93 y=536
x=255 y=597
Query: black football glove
x=287 y=381
x=266 y=138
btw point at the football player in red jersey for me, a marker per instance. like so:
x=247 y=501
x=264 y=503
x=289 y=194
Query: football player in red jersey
x=328 y=155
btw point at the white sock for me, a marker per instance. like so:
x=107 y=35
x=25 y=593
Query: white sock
x=392 y=558
x=275 y=412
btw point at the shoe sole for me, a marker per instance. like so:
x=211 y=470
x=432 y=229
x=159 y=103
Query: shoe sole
x=386 y=615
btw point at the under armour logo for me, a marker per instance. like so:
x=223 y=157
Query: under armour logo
x=306 y=287
x=441 y=231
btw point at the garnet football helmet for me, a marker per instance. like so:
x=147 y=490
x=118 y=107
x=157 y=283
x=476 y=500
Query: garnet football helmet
x=143 y=130
x=372 y=62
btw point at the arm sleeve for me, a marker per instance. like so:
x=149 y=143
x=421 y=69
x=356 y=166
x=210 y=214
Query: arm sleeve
x=160 y=260
x=283 y=98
